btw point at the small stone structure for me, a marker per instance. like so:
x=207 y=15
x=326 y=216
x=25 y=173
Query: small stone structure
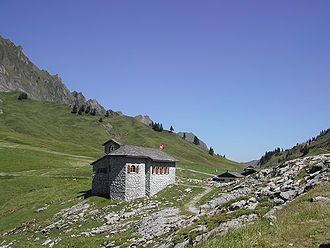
x=127 y=172
x=228 y=177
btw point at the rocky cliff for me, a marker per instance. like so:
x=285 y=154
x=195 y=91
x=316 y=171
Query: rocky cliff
x=145 y=119
x=190 y=137
x=18 y=73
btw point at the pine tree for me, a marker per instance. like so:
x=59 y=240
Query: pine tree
x=74 y=109
x=171 y=129
x=107 y=113
x=161 y=128
x=196 y=141
x=93 y=112
x=211 y=151
x=88 y=109
x=22 y=96
x=184 y=136
x=81 y=109
x=304 y=150
x=101 y=120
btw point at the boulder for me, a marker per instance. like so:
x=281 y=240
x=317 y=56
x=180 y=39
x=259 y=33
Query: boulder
x=288 y=195
x=320 y=199
x=237 y=205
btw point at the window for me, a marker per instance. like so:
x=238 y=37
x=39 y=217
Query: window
x=112 y=148
x=160 y=170
x=133 y=168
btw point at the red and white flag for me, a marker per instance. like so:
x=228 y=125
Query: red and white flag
x=162 y=147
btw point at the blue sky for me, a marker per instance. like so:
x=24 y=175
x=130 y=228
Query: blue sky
x=245 y=76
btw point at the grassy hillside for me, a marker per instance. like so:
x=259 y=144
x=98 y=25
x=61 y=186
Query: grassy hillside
x=45 y=155
x=41 y=135
x=300 y=224
x=318 y=145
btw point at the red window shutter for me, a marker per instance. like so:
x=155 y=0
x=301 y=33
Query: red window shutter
x=128 y=168
x=137 y=168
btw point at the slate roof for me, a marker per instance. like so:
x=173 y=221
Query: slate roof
x=141 y=152
x=138 y=151
x=231 y=174
x=110 y=141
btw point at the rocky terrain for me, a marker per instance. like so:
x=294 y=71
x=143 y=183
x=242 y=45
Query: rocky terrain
x=145 y=119
x=159 y=222
x=190 y=137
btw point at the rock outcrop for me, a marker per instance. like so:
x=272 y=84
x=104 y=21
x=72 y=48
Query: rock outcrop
x=190 y=137
x=145 y=119
x=18 y=73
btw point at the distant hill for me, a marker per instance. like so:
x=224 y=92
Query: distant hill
x=252 y=163
x=316 y=145
x=49 y=126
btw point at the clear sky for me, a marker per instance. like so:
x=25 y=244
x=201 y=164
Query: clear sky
x=245 y=76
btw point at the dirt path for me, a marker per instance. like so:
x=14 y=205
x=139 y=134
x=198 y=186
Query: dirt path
x=191 y=206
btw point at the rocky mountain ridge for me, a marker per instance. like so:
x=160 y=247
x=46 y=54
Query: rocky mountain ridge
x=18 y=73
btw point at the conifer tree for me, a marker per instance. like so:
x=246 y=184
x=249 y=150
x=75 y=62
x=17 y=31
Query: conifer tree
x=74 y=109
x=184 y=136
x=211 y=151
x=171 y=129
x=22 y=96
x=196 y=141
x=93 y=112
x=88 y=109
x=81 y=109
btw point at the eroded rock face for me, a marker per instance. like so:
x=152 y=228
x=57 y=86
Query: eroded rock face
x=159 y=223
x=190 y=137
x=18 y=73
x=145 y=119
x=226 y=198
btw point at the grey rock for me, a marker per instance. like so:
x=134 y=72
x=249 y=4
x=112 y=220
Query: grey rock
x=320 y=199
x=145 y=119
x=288 y=195
x=182 y=244
x=237 y=205
x=278 y=201
x=227 y=197
x=159 y=223
x=190 y=137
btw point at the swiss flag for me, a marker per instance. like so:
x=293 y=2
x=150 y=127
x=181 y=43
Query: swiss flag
x=162 y=147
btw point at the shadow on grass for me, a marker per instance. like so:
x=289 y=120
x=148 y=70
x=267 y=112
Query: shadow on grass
x=88 y=193
x=85 y=194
